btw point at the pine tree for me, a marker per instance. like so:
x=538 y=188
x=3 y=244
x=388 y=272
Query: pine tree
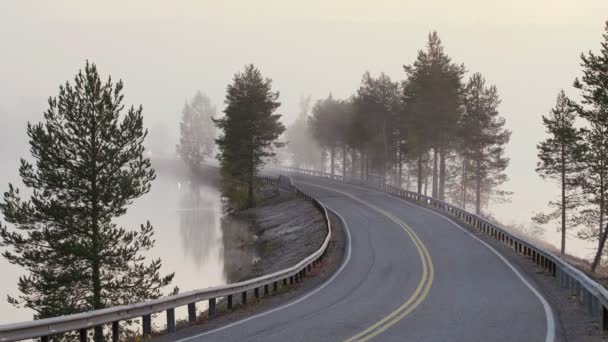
x=249 y=129
x=431 y=95
x=197 y=131
x=594 y=110
x=482 y=136
x=328 y=126
x=559 y=158
x=377 y=107
x=89 y=166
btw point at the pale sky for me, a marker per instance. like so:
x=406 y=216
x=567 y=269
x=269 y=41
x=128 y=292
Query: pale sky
x=166 y=50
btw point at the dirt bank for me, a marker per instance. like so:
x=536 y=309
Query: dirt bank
x=279 y=233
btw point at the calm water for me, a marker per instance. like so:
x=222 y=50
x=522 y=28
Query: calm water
x=187 y=219
x=194 y=238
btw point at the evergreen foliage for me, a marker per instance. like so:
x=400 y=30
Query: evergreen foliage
x=559 y=159
x=432 y=100
x=594 y=110
x=250 y=130
x=88 y=167
x=377 y=108
x=482 y=138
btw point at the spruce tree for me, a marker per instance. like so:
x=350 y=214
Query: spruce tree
x=197 y=131
x=88 y=167
x=594 y=110
x=559 y=158
x=250 y=128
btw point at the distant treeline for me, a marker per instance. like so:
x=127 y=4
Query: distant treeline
x=437 y=131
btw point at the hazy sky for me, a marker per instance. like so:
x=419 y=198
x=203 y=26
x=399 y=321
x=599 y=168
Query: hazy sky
x=165 y=50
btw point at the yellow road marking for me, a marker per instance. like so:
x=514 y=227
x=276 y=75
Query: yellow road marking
x=423 y=288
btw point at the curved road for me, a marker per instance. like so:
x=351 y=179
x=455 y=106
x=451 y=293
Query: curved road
x=411 y=275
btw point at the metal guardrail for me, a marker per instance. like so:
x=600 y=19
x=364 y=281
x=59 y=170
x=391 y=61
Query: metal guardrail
x=591 y=294
x=83 y=322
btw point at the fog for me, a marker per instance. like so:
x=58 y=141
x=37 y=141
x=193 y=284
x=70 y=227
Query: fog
x=165 y=51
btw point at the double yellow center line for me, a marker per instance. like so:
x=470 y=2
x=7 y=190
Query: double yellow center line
x=424 y=285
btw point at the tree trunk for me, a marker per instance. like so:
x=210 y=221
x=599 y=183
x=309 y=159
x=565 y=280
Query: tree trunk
x=419 y=180
x=598 y=255
x=442 y=171
x=332 y=156
x=400 y=169
x=602 y=234
x=323 y=157
x=477 y=187
x=344 y=170
x=464 y=183
x=435 y=180
x=362 y=164
x=563 y=167
x=385 y=157
x=426 y=186
x=353 y=156
x=408 y=177
x=366 y=164
x=250 y=201
x=95 y=262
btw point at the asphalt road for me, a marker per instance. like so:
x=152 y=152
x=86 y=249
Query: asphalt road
x=412 y=275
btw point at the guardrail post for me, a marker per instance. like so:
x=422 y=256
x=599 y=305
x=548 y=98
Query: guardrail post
x=211 y=307
x=115 y=331
x=146 y=325
x=171 y=320
x=275 y=286
x=266 y=291
x=191 y=312
x=589 y=302
x=256 y=293
x=244 y=298
x=604 y=318
x=229 y=302
x=83 y=335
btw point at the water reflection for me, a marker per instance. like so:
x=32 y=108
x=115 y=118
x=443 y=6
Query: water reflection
x=199 y=221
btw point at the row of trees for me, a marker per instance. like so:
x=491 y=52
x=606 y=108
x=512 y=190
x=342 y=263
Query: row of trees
x=576 y=154
x=432 y=130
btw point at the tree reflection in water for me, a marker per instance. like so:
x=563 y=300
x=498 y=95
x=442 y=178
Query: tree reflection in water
x=199 y=220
